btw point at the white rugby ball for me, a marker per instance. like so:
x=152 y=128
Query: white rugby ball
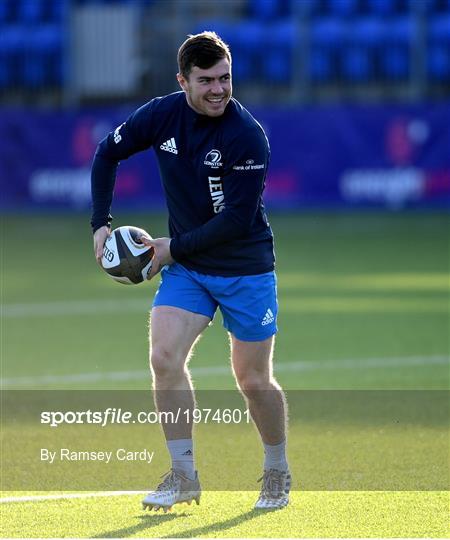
x=125 y=258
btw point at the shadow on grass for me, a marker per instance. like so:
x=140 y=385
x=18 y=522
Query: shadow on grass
x=208 y=530
x=147 y=522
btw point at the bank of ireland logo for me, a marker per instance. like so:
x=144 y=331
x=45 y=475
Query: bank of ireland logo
x=213 y=159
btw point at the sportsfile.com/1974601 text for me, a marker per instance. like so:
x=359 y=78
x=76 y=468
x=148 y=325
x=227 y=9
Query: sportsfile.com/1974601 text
x=113 y=415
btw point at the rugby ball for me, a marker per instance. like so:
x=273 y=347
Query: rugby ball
x=125 y=258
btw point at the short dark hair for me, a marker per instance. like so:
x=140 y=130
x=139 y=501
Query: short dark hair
x=201 y=50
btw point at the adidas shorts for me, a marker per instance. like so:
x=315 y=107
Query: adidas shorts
x=248 y=304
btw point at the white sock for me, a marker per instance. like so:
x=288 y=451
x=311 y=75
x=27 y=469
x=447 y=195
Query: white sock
x=182 y=454
x=275 y=456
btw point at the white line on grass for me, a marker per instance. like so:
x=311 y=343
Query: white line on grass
x=37 y=498
x=209 y=371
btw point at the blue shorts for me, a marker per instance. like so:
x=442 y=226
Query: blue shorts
x=248 y=304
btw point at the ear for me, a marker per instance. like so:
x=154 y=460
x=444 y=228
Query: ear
x=182 y=81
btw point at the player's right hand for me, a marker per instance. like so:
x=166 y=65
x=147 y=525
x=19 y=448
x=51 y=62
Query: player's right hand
x=161 y=254
x=100 y=237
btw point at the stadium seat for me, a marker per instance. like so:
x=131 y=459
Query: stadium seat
x=5 y=12
x=439 y=62
x=12 y=39
x=43 y=57
x=321 y=65
x=58 y=10
x=278 y=58
x=264 y=9
x=422 y=6
x=357 y=64
x=248 y=38
x=367 y=31
x=439 y=48
x=396 y=47
x=327 y=35
x=30 y=11
x=395 y=62
x=327 y=31
x=343 y=7
x=305 y=7
x=439 y=28
x=382 y=7
x=361 y=46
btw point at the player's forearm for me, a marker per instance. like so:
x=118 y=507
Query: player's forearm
x=226 y=226
x=103 y=177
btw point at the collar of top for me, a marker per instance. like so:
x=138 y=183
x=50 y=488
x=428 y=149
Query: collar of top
x=198 y=119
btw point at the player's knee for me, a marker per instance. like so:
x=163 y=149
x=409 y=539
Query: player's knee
x=164 y=363
x=252 y=382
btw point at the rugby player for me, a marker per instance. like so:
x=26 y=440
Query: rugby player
x=213 y=158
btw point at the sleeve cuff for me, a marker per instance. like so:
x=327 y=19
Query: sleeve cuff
x=175 y=249
x=97 y=223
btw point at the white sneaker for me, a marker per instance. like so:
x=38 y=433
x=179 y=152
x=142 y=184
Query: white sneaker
x=175 y=488
x=275 y=490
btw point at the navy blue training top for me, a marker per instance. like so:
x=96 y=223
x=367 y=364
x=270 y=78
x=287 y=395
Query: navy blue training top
x=213 y=172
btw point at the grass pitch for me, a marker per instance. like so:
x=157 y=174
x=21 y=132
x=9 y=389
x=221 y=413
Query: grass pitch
x=364 y=305
x=230 y=515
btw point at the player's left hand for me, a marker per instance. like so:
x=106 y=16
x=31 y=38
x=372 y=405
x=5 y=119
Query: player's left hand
x=162 y=255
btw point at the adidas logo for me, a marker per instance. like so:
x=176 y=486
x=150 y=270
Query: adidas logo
x=268 y=317
x=170 y=146
x=187 y=453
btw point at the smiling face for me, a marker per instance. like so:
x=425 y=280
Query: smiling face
x=208 y=90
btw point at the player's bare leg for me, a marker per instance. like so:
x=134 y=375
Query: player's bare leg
x=173 y=333
x=252 y=365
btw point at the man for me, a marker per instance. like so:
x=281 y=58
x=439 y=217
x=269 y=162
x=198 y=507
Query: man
x=213 y=158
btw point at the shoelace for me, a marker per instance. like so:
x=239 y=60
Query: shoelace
x=170 y=478
x=272 y=483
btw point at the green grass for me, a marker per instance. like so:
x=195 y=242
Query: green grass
x=364 y=305
x=223 y=514
x=350 y=286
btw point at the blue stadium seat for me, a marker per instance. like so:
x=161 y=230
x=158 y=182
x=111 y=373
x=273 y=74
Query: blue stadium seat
x=5 y=75
x=304 y=7
x=246 y=40
x=327 y=31
x=357 y=64
x=439 y=28
x=395 y=62
x=422 y=6
x=43 y=57
x=361 y=45
x=439 y=48
x=367 y=31
x=58 y=10
x=396 y=47
x=439 y=62
x=264 y=9
x=401 y=29
x=343 y=7
x=46 y=38
x=277 y=58
x=5 y=11
x=12 y=39
x=321 y=65
x=327 y=36
x=382 y=7
x=30 y=11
